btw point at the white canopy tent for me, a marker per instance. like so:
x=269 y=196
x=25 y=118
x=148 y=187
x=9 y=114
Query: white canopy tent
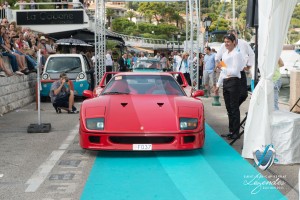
x=274 y=18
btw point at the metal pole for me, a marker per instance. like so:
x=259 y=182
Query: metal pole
x=186 y=25
x=256 y=57
x=39 y=86
x=233 y=14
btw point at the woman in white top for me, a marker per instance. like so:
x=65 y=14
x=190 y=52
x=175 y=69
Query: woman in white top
x=184 y=67
x=231 y=65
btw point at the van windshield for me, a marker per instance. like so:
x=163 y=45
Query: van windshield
x=64 y=64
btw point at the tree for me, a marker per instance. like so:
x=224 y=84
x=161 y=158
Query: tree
x=110 y=13
x=130 y=14
x=121 y=25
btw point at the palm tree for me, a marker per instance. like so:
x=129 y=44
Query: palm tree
x=130 y=14
x=177 y=18
x=109 y=14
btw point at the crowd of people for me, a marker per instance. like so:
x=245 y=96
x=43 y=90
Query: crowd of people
x=21 y=45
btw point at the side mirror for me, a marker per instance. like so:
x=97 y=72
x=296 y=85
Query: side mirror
x=87 y=94
x=198 y=93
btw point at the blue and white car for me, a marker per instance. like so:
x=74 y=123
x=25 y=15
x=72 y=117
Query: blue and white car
x=77 y=68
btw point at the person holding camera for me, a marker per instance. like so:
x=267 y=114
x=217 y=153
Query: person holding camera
x=62 y=97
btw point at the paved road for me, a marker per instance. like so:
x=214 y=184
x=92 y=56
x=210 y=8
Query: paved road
x=42 y=166
x=48 y=166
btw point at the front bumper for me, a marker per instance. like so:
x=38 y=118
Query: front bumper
x=124 y=142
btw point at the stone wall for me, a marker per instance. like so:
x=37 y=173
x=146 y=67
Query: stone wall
x=16 y=92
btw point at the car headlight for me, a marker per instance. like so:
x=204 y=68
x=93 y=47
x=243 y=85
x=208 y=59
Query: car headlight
x=95 y=123
x=188 y=123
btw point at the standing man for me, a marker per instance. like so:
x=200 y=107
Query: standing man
x=230 y=75
x=123 y=63
x=248 y=56
x=209 y=66
x=108 y=64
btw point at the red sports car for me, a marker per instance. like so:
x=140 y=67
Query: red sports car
x=142 y=112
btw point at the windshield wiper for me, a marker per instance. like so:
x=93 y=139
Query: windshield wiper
x=105 y=93
x=72 y=69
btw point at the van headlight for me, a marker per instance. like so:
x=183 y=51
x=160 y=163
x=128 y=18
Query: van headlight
x=45 y=76
x=81 y=75
x=188 y=123
x=95 y=123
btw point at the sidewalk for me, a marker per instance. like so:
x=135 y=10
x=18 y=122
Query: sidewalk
x=216 y=117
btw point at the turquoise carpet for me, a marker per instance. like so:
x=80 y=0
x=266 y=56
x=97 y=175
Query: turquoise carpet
x=215 y=172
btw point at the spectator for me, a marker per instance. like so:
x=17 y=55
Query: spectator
x=164 y=62
x=122 y=63
x=108 y=64
x=277 y=83
x=5 y=23
x=209 y=74
x=143 y=57
x=6 y=5
x=20 y=48
x=6 y=71
x=12 y=27
x=62 y=97
x=42 y=46
x=157 y=56
x=21 y=5
x=33 y=5
x=50 y=47
x=201 y=60
x=184 y=67
x=9 y=53
x=134 y=58
x=9 y=43
x=129 y=61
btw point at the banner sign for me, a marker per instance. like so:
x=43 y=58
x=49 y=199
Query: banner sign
x=50 y=17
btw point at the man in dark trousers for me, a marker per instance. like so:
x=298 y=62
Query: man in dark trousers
x=123 y=63
x=248 y=56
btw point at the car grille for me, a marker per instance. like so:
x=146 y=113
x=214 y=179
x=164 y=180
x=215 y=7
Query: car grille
x=141 y=140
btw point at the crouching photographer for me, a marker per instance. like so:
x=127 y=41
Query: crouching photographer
x=62 y=97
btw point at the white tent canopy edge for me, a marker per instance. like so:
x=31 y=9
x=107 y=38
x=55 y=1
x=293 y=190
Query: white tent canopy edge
x=274 y=18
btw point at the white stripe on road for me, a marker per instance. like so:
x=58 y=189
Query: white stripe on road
x=44 y=169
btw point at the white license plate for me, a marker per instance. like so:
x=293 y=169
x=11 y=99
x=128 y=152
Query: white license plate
x=142 y=147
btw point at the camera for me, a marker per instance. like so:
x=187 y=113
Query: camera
x=67 y=79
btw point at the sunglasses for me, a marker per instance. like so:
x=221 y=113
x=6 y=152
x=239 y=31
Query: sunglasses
x=6 y=22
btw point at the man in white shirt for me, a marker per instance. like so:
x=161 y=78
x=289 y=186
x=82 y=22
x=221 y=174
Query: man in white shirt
x=143 y=57
x=248 y=56
x=108 y=64
x=231 y=65
x=176 y=60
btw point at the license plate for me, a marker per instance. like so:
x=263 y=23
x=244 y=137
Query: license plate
x=142 y=147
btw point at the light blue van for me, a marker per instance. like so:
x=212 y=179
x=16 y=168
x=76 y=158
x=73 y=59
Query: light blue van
x=77 y=68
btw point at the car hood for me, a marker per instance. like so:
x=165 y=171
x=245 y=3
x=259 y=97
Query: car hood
x=146 y=113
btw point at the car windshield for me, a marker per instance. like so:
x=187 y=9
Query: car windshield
x=143 y=84
x=147 y=64
x=63 y=64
